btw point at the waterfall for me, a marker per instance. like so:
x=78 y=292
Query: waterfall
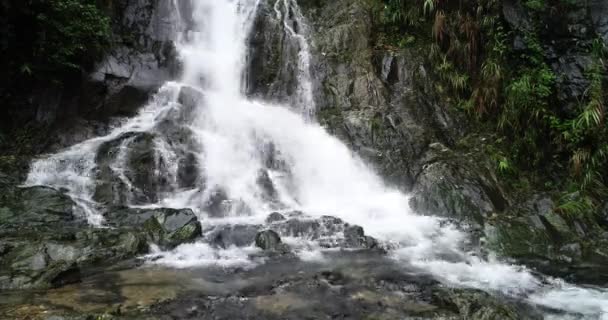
x=233 y=160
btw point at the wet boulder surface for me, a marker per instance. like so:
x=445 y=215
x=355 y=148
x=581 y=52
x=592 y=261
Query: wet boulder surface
x=46 y=241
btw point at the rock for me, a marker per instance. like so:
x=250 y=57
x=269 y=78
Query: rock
x=355 y=238
x=302 y=228
x=356 y=285
x=474 y=305
x=146 y=170
x=326 y=231
x=382 y=104
x=272 y=73
x=233 y=235
x=142 y=63
x=269 y=240
x=38 y=208
x=535 y=235
x=165 y=227
x=47 y=243
x=58 y=257
x=219 y=205
x=565 y=37
x=457 y=187
x=190 y=98
x=269 y=192
x=275 y=217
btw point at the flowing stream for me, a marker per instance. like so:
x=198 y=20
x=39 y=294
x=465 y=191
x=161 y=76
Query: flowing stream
x=233 y=161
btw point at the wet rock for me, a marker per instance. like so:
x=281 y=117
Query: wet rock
x=355 y=238
x=475 y=305
x=269 y=240
x=301 y=228
x=46 y=242
x=328 y=231
x=275 y=217
x=144 y=60
x=233 y=235
x=564 y=36
x=190 y=98
x=269 y=192
x=165 y=227
x=272 y=57
x=188 y=171
x=58 y=257
x=132 y=171
x=457 y=187
x=219 y=205
x=383 y=105
x=362 y=285
x=38 y=208
x=533 y=233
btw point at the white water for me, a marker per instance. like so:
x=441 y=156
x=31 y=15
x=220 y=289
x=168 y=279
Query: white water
x=315 y=172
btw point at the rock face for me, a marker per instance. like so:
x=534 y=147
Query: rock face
x=457 y=187
x=45 y=242
x=142 y=58
x=143 y=62
x=566 y=33
x=382 y=104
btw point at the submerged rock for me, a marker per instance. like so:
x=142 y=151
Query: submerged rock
x=233 y=235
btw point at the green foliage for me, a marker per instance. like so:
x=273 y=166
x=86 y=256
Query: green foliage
x=514 y=91
x=72 y=33
x=576 y=205
x=49 y=39
x=536 y=5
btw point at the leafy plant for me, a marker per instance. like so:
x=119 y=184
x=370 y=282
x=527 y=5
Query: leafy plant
x=50 y=38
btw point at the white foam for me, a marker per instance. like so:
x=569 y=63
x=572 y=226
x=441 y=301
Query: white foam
x=203 y=255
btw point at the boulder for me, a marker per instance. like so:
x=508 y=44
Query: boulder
x=534 y=234
x=60 y=256
x=457 y=187
x=355 y=237
x=275 y=217
x=233 y=235
x=46 y=242
x=164 y=227
x=131 y=170
x=269 y=240
x=328 y=231
x=38 y=208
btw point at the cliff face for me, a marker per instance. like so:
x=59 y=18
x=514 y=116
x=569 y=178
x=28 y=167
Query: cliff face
x=388 y=106
x=52 y=115
x=566 y=33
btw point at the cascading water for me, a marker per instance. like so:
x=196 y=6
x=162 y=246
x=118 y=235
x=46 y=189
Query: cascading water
x=233 y=161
